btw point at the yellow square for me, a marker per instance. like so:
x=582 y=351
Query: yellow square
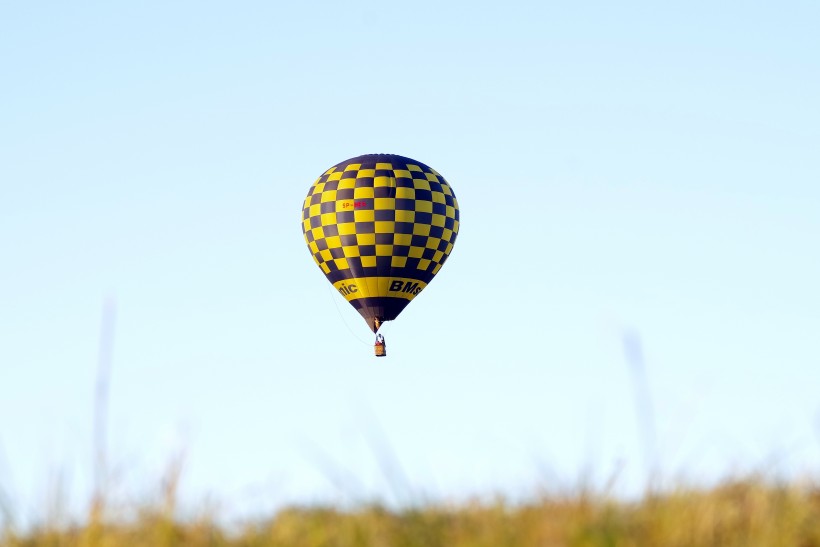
x=436 y=268
x=380 y=182
x=446 y=234
x=432 y=242
x=314 y=247
x=368 y=261
x=450 y=211
x=401 y=173
x=405 y=216
x=446 y=189
x=437 y=256
x=333 y=242
x=347 y=228
x=421 y=229
x=366 y=239
x=325 y=255
x=384 y=204
x=366 y=173
x=402 y=239
x=306 y=225
x=424 y=264
x=335 y=176
x=412 y=167
x=384 y=166
x=455 y=226
x=318 y=187
x=328 y=219
x=330 y=195
x=423 y=206
x=415 y=252
x=324 y=267
x=365 y=215
x=384 y=250
x=351 y=251
x=404 y=192
x=318 y=233
x=363 y=192
x=385 y=227
x=438 y=197
x=431 y=176
x=438 y=220
x=341 y=264
x=346 y=184
x=421 y=184
x=315 y=210
x=448 y=249
x=353 y=167
x=398 y=262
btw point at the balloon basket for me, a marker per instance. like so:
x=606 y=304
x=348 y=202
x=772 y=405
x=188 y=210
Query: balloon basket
x=380 y=350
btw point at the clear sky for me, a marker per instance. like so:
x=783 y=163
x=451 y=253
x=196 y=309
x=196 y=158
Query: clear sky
x=635 y=179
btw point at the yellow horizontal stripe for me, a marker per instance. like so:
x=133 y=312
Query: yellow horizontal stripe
x=379 y=287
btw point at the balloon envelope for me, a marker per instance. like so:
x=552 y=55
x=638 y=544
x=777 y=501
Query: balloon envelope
x=380 y=226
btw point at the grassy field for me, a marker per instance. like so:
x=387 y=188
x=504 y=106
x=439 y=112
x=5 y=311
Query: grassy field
x=744 y=513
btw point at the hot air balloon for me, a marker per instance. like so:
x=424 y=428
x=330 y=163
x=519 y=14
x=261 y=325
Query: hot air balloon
x=380 y=227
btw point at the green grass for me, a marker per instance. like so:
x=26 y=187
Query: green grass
x=745 y=513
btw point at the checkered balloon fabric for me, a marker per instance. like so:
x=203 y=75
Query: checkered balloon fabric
x=380 y=226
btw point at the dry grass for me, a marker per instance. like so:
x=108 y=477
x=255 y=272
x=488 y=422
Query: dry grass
x=742 y=513
x=748 y=512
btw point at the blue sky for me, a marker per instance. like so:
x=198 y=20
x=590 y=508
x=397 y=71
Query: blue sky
x=637 y=171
